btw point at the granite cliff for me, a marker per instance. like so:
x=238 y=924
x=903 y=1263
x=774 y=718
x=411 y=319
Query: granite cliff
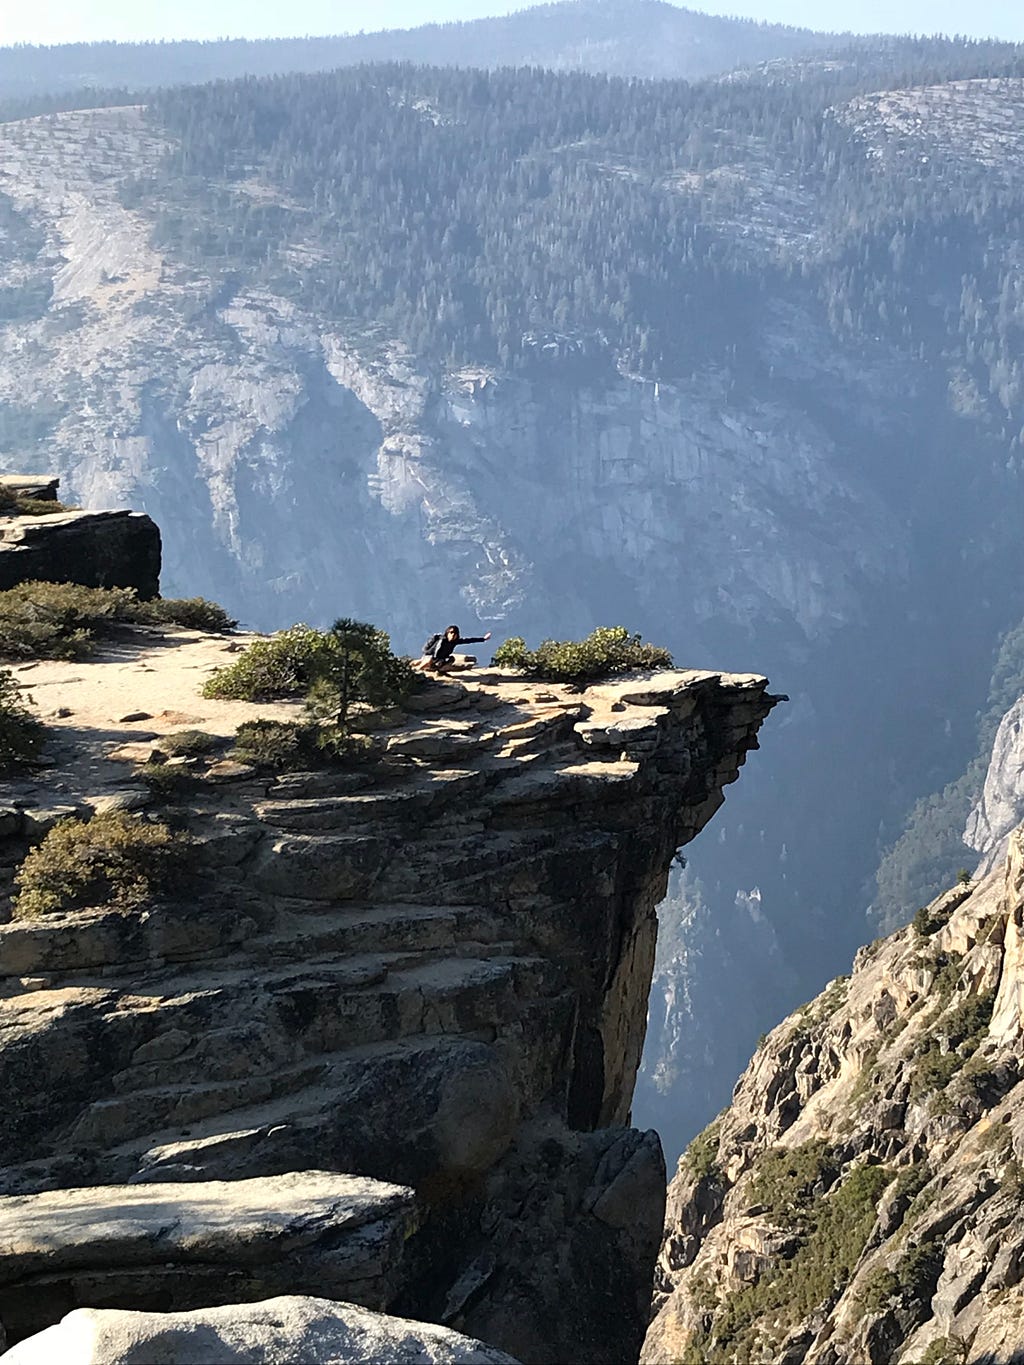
x=860 y=1199
x=830 y=499
x=381 y=1045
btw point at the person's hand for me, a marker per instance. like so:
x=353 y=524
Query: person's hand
x=487 y=636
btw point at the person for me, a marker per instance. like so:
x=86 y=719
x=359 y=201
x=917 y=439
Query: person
x=439 y=651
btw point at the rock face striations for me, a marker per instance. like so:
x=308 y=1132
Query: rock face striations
x=860 y=1200
x=414 y=992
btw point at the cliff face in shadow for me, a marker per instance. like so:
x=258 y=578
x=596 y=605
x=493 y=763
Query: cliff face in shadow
x=431 y=972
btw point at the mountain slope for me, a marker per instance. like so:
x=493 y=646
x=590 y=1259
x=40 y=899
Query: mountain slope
x=725 y=363
x=859 y=1200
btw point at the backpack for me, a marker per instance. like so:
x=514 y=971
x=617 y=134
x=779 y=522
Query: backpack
x=432 y=643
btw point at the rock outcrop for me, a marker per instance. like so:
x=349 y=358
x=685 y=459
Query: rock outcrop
x=860 y=1200
x=97 y=549
x=1000 y=807
x=177 y=1246
x=430 y=971
x=280 y=1331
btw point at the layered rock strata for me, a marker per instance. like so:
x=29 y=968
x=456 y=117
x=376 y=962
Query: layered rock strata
x=430 y=971
x=175 y=1246
x=96 y=549
x=859 y=1203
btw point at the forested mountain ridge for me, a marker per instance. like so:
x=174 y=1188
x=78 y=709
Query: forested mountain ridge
x=621 y=37
x=736 y=364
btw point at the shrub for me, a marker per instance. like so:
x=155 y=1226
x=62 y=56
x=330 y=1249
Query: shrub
x=831 y=1230
x=877 y=1288
x=114 y=859
x=190 y=743
x=194 y=612
x=963 y=877
x=283 y=665
x=21 y=735
x=945 y=1351
x=41 y=620
x=352 y=662
x=168 y=782
x=606 y=651
x=12 y=505
x=359 y=667
x=281 y=745
x=57 y=620
x=289 y=746
x=701 y=1157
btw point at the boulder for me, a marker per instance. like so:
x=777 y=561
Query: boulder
x=185 y=1246
x=279 y=1331
x=96 y=549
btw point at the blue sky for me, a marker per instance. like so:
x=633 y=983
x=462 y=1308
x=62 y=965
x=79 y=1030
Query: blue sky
x=56 y=21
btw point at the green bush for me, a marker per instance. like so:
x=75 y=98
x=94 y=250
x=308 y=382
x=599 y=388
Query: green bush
x=190 y=743
x=169 y=783
x=877 y=1288
x=359 y=667
x=283 y=665
x=831 y=1230
x=606 y=651
x=114 y=859
x=21 y=735
x=280 y=745
x=701 y=1157
x=291 y=746
x=945 y=1351
x=41 y=620
x=334 y=669
x=194 y=612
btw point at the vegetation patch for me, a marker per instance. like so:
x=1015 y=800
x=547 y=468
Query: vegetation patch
x=950 y=1043
x=605 y=651
x=292 y=746
x=825 y=1005
x=832 y=1228
x=281 y=666
x=190 y=743
x=194 y=613
x=335 y=670
x=63 y=620
x=701 y=1157
x=15 y=505
x=169 y=782
x=113 y=860
x=21 y=735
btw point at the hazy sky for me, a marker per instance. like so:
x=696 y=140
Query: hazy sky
x=61 y=21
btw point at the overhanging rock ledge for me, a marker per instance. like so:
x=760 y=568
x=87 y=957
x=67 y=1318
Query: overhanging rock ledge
x=432 y=973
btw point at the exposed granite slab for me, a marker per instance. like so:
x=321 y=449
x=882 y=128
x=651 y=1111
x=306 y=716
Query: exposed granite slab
x=281 y=1331
x=173 y=1246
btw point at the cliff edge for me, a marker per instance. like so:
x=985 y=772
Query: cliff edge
x=382 y=1044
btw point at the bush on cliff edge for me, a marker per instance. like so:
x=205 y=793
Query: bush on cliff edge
x=113 y=860
x=605 y=651
x=334 y=670
x=40 y=620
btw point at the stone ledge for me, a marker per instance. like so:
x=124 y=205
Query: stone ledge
x=129 y=1246
x=95 y=549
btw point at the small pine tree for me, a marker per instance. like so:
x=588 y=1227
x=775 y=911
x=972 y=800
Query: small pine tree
x=358 y=667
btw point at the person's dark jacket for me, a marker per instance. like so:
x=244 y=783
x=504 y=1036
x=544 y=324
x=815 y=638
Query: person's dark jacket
x=445 y=647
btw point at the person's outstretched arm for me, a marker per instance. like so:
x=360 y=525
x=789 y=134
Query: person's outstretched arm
x=474 y=639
